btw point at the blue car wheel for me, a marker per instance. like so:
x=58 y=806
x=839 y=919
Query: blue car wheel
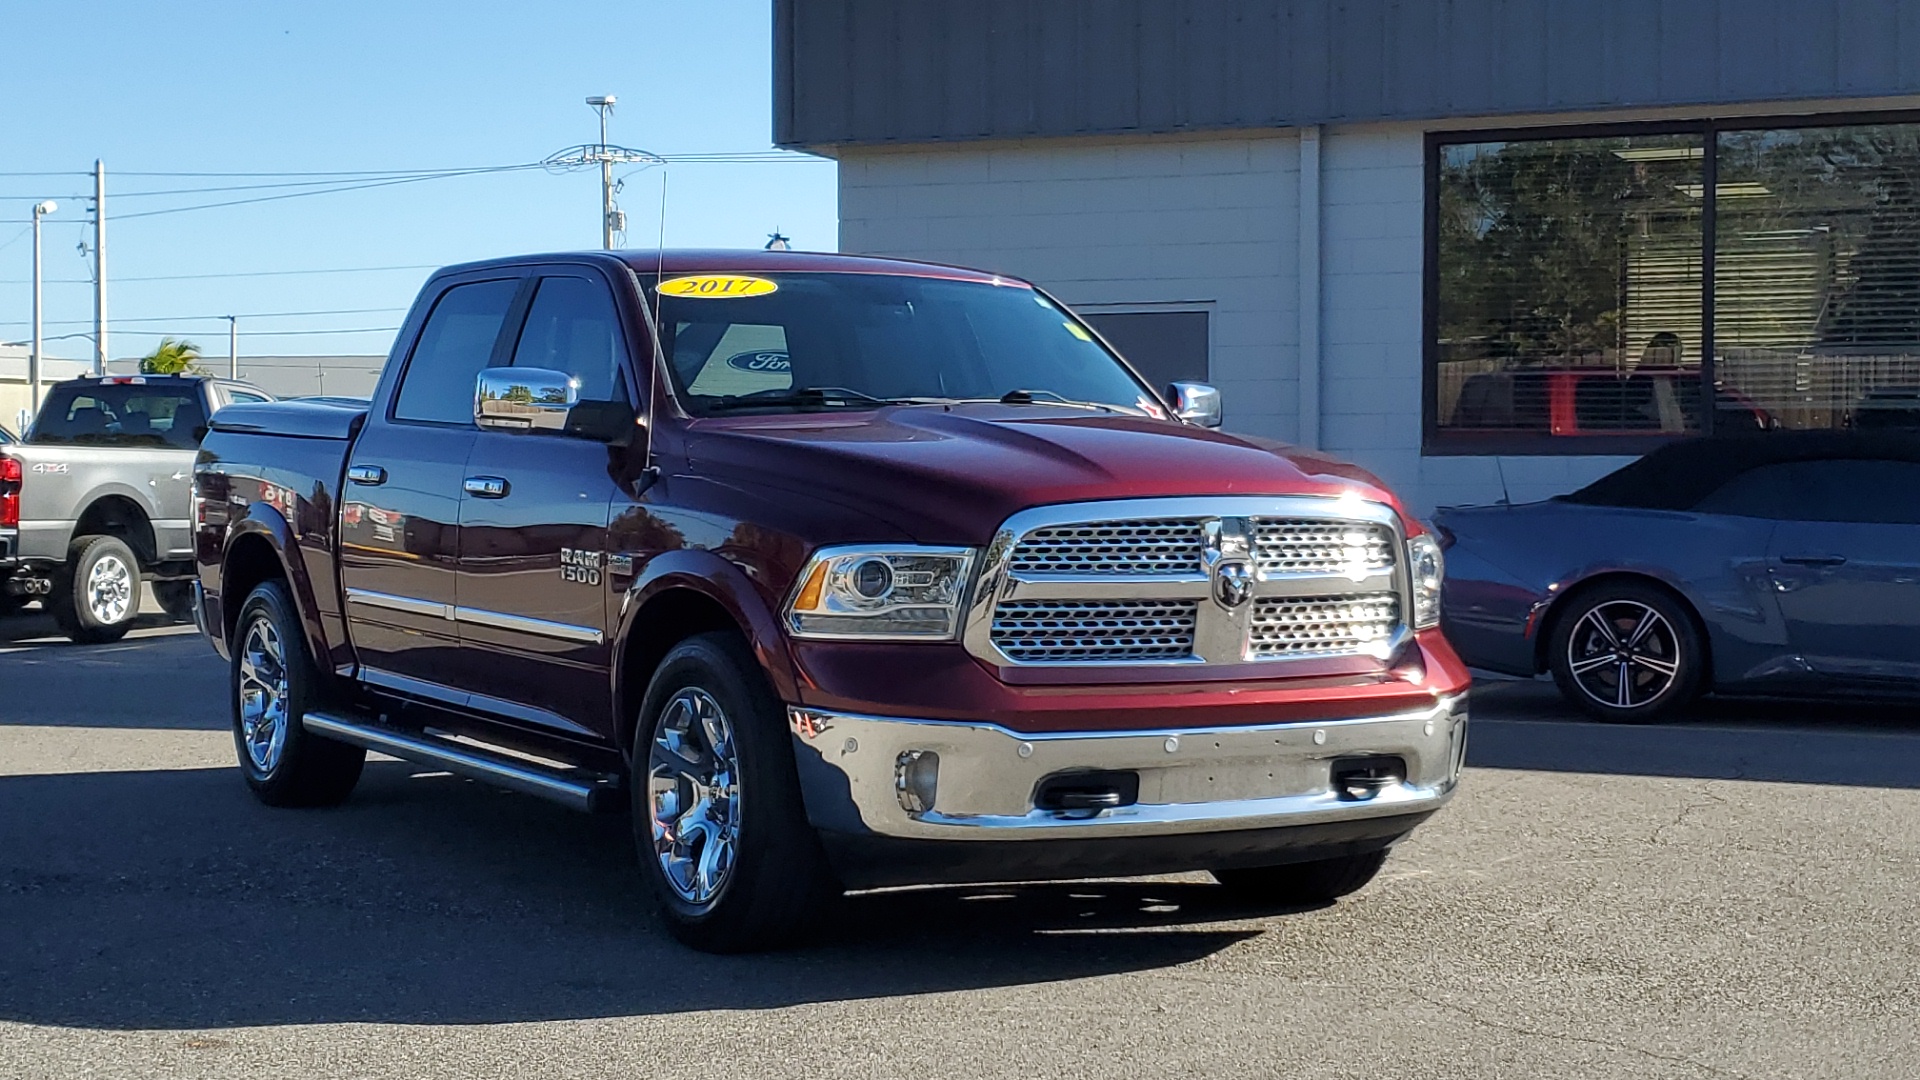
x=1627 y=653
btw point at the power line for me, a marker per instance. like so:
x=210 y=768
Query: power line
x=230 y=273
x=220 y=318
x=322 y=191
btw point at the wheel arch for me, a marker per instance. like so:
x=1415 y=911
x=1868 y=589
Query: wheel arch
x=1549 y=620
x=676 y=596
x=260 y=548
x=123 y=517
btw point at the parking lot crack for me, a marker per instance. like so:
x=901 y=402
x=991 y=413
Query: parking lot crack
x=1563 y=1037
x=1684 y=815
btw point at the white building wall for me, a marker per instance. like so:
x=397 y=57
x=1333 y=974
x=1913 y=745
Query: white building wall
x=1214 y=221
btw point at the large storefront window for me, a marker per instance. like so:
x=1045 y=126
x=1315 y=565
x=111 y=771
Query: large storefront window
x=1569 y=301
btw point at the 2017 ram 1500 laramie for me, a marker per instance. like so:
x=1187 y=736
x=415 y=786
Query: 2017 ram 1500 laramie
x=842 y=572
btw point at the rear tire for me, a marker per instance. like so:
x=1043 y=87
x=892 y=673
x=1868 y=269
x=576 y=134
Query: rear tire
x=717 y=814
x=272 y=683
x=176 y=599
x=1303 y=884
x=1627 y=653
x=96 y=594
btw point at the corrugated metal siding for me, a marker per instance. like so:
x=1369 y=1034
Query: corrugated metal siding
x=877 y=71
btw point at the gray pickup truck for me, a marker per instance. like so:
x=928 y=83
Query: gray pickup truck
x=97 y=498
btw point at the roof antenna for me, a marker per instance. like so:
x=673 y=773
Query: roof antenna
x=1499 y=465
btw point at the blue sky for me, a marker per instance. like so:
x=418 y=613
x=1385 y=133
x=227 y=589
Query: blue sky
x=194 y=87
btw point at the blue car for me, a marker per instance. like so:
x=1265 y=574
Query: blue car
x=1777 y=564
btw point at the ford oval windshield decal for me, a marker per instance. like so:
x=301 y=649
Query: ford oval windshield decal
x=772 y=361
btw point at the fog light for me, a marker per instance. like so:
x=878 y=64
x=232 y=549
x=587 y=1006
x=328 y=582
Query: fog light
x=916 y=779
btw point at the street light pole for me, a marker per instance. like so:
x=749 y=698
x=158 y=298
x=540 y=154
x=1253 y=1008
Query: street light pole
x=603 y=104
x=233 y=347
x=99 y=267
x=40 y=210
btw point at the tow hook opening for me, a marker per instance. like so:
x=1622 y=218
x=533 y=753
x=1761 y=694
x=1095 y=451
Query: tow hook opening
x=1087 y=792
x=1357 y=779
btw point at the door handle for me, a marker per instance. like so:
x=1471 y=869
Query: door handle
x=370 y=475
x=486 y=487
x=1814 y=560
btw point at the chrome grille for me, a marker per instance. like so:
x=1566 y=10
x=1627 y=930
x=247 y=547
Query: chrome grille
x=1294 y=626
x=1091 y=631
x=1319 y=546
x=1145 y=546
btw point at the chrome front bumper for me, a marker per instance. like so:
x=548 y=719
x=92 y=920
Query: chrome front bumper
x=872 y=775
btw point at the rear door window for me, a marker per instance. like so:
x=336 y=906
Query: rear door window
x=122 y=414
x=454 y=347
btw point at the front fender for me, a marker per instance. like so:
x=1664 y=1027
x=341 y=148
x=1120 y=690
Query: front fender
x=725 y=584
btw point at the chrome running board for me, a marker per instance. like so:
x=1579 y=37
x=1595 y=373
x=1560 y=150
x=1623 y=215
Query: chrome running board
x=586 y=792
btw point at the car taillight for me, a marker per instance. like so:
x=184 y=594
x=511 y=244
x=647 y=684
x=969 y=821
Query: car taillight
x=10 y=479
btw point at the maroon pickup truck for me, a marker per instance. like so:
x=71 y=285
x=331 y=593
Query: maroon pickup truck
x=840 y=573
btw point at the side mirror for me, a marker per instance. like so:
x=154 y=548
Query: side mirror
x=524 y=399
x=1196 y=403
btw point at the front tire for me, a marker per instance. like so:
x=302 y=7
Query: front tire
x=1627 y=653
x=273 y=684
x=717 y=814
x=96 y=594
x=1304 y=884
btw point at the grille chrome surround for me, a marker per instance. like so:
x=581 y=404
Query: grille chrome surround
x=1143 y=546
x=1299 y=626
x=1081 y=586
x=1094 y=631
x=1318 y=546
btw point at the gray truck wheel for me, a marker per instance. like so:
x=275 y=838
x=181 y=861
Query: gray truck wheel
x=1300 y=884
x=96 y=595
x=273 y=684
x=717 y=815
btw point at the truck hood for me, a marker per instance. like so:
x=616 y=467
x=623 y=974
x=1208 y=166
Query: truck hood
x=951 y=474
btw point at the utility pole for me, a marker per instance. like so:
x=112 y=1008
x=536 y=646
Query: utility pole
x=99 y=267
x=612 y=219
x=40 y=210
x=233 y=347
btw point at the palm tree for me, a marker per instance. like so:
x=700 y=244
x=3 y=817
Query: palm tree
x=172 y=357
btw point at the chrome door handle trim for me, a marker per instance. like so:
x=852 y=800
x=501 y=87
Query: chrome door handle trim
x=486 y=487
x=370 y=475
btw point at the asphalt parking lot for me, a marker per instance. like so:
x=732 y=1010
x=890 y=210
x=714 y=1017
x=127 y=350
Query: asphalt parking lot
x=1731 y=897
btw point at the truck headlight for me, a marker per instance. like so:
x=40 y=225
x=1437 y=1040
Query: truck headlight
x=1426 y=569
x=897 y=593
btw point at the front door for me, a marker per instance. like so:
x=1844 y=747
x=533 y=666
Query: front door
x=1846 y=569
x=535 y=582
x=400 y=509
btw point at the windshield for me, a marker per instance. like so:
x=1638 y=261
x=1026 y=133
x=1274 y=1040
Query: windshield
x=837 y=341
x=122 y=414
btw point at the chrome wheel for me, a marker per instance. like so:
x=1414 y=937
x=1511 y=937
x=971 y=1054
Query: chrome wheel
x=110 y=585
x=694 y=790
x=1623 y=654
x=263 y=695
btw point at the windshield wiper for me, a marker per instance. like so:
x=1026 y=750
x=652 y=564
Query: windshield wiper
x=811 y=395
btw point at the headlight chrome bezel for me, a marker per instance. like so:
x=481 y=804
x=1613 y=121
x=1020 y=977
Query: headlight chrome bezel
x=831 y=609
x=1426 y=576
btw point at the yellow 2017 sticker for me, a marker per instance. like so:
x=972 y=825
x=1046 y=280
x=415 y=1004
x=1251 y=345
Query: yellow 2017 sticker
x=716 y=286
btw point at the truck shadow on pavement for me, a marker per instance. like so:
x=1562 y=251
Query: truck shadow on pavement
x=170 y=899
x=1527 y=725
